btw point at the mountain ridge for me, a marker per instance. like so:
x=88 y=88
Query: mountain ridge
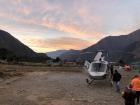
x=114 y=45
x=57 y=53
x=10 y=43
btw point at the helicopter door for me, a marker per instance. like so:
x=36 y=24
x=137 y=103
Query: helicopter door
x=98 y=67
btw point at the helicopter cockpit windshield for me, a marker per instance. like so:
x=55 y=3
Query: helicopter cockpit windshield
x=98 y=67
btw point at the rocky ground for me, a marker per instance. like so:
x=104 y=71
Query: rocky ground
x=41 y=86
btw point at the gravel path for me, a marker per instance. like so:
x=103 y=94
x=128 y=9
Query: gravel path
x=57 y=88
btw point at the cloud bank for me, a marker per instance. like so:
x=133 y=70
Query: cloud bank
x=80 y=20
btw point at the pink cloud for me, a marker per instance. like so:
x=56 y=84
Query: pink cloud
x=25 y=11
x=82 y=19
x=45 y=7
x=84 y=28
x=77 y=31
x=16 y=2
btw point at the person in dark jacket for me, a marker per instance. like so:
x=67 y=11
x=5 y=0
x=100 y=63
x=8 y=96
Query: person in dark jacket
x=129 y=95
x=116 y=79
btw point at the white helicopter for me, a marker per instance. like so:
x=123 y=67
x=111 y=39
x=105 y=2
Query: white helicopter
x=98 y=69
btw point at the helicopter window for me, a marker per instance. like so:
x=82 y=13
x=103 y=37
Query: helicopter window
x=98 y=67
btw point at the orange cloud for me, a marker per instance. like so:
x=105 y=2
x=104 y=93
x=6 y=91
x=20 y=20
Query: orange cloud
x=40 y=45
x=75 y=30
x=71 y=28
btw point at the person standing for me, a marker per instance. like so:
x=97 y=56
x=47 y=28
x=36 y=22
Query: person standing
x=111 y=74
x=129 y=95
x=135 y=82
x=116 y=79
x=111 y=71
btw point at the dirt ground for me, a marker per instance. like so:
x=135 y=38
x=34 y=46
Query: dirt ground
x=42 y=86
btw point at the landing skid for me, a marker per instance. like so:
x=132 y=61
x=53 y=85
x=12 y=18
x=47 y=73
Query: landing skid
x=111 y=83
x=89 y=82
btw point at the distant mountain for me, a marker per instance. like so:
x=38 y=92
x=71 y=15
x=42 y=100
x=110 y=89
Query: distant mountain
x=133 y=52
x=115 y=43
x=115 y=46
x=11 y=44
x=64 y=54
x=70 y=55
x=57 y=53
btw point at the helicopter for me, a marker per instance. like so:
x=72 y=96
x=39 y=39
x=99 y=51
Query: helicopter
x=98 y=69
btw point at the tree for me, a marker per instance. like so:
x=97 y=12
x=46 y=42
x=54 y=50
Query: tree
x=121 y=62
x=58 y=59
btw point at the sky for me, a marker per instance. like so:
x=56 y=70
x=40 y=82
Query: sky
x=49 y=25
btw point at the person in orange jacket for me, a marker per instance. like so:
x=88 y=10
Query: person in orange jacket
x=135 y=82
